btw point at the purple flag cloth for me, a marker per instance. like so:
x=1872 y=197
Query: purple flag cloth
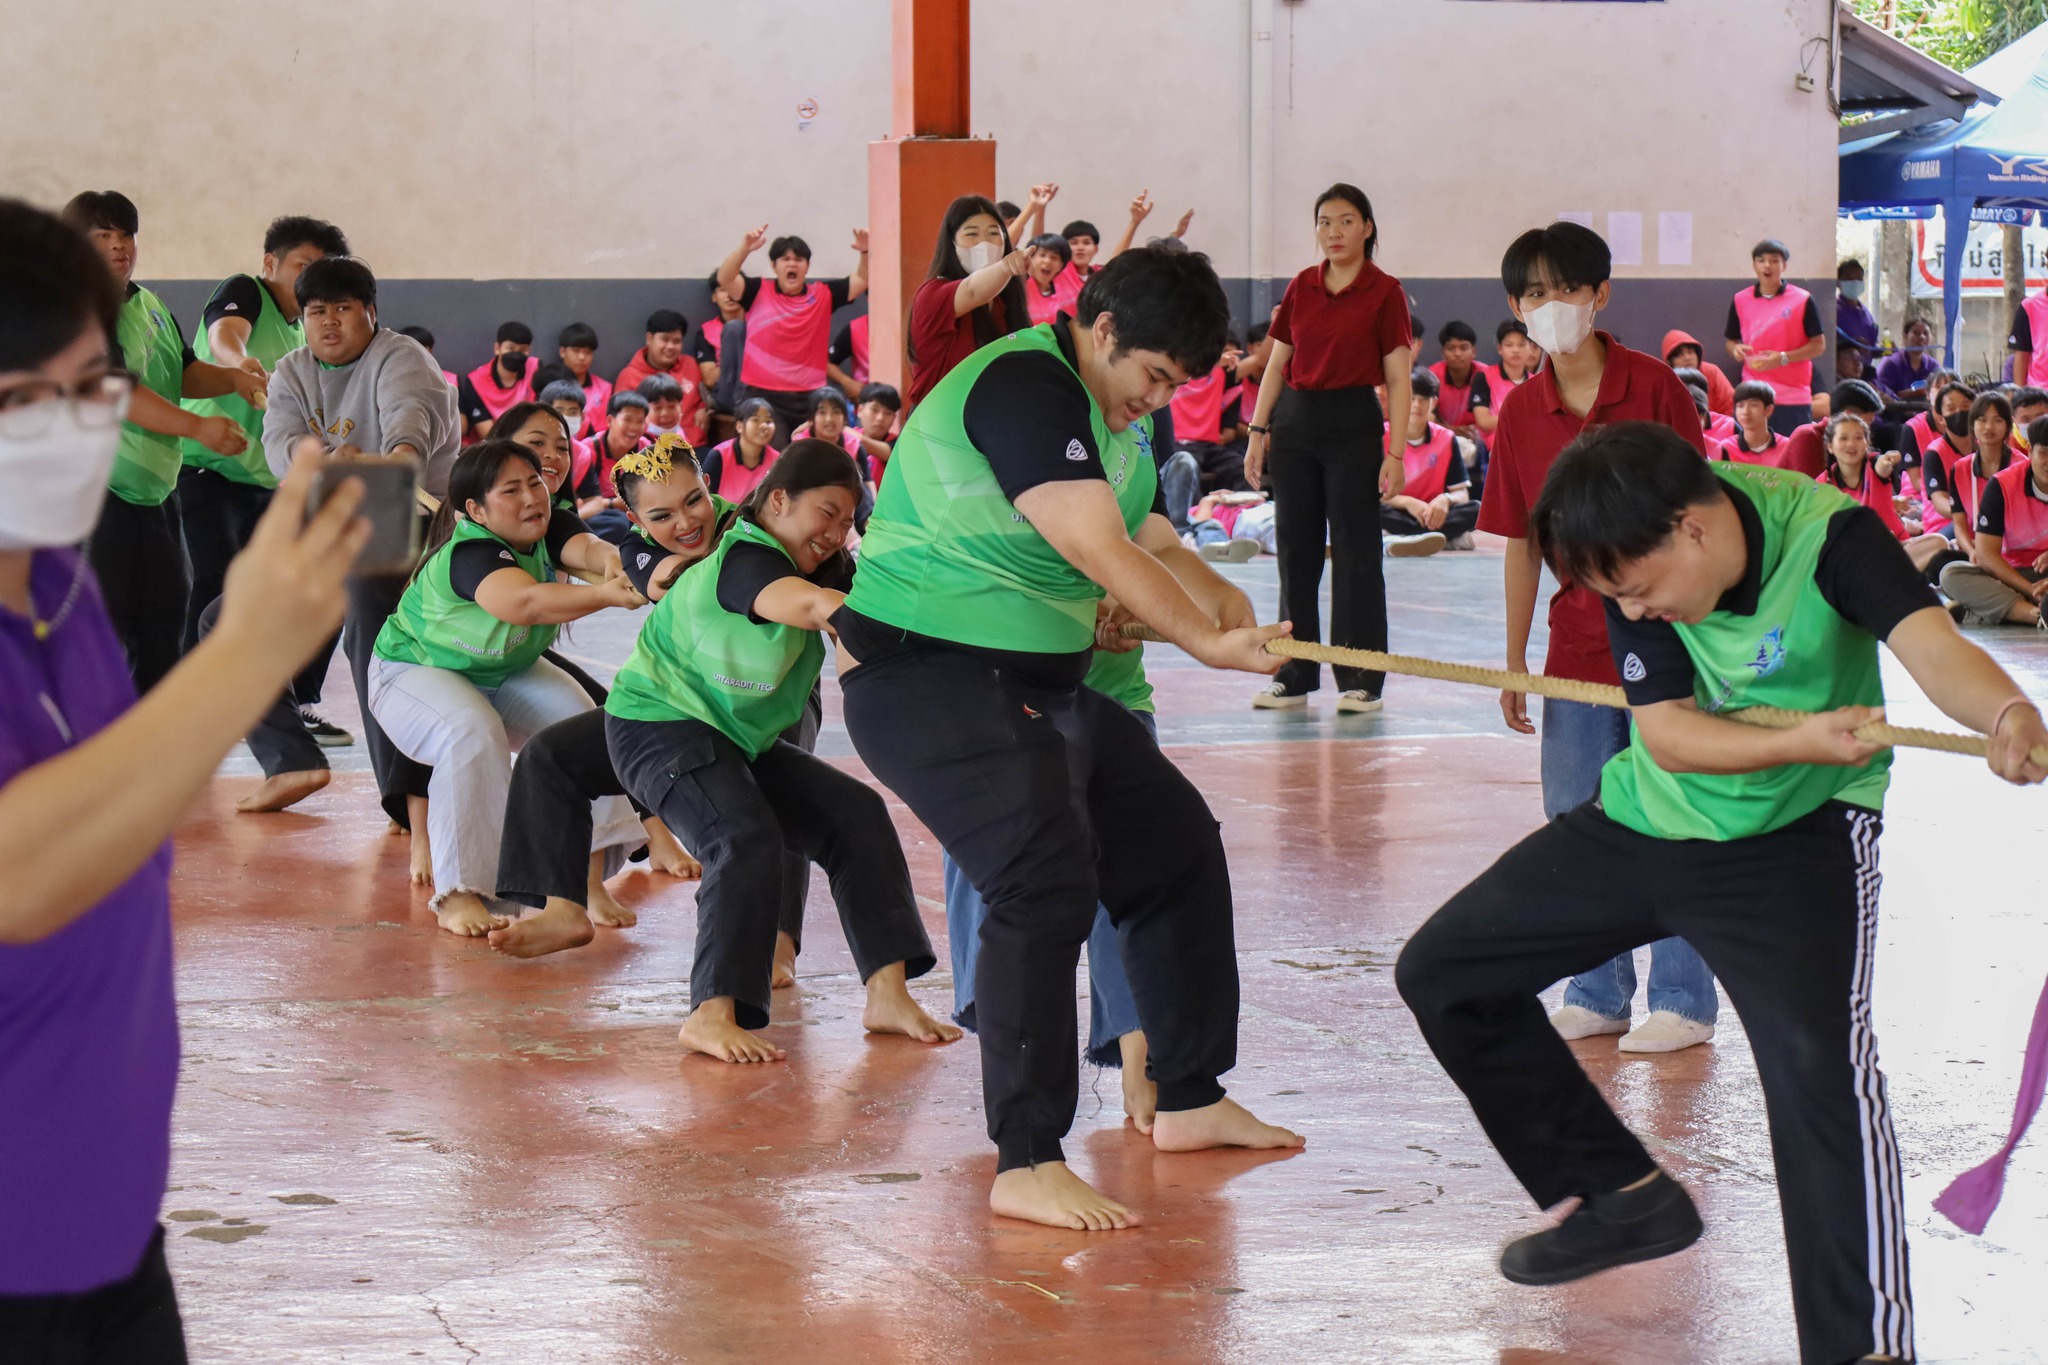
x=1970 y=1198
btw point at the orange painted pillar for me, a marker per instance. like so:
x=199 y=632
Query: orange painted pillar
x=928 y=160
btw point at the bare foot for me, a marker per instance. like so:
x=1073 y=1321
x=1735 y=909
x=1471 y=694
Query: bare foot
x=422 y=853
x=1225 y=1123
x=604 y=910
x=712 y=1030
x=667 y=855
x=286 y=789
x=891 y=1010
x=1050 y=1193
x=560 y=924
x=1141 y=1094
x=464 y=913
x=784 y=974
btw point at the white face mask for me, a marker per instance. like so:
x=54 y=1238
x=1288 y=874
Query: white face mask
x=980 y=256
x=1559 y=327
x=52 y=483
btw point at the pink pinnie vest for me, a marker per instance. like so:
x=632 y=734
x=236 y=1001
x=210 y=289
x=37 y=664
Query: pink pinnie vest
x=1428 y=465
x=2026 y=516
x=1778 y=323
x=2036 y=309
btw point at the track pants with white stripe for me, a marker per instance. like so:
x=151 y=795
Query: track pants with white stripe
x=1788 y=922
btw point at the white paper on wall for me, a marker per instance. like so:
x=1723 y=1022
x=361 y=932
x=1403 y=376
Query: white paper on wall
x=1625 y=237
x=1674 y=238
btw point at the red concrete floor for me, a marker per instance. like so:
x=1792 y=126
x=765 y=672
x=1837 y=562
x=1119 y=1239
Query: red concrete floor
x=396 y=1146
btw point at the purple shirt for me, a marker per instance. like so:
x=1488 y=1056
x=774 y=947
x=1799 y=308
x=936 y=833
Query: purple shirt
x=88 y=1023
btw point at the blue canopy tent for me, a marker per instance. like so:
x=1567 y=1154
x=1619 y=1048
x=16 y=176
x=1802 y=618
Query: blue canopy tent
x=1991 y=165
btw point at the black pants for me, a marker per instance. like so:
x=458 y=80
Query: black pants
x=1325 y=472
x=1051 y=801
x=1222 y=466
x=1461 y=518
x=279 y=742
x=1786 y=419
x=792 y=407
x=138 y=555
x=370 y=604
x=129 y=1322
x=1788 y=922
x=742 y=818
x=220 y=515
x=560 y=772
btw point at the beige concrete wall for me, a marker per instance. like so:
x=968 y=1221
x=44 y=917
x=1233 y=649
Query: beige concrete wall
x=638 y=138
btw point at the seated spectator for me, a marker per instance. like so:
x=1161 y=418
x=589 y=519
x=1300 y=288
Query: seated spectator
x=458 y=681
x=1956 y=440
x=1924 y=426
x=972 y=294
x=597 y=497
x=1755 y=442
x=1682 y=352
x=566 y=397
x=879 y=407
x=1084 y=242
x=661 y=353
x=666 y=414
x=707 y=348
x=1049 y=287
x=498 y=383
x=1872 y=479
x=1465 y=399
x=1198 y=427
x=1717 y=426
x=1991 y=435
x=832 y=421
x=576 y=345
x=2028 y=407
x=1806 y=450
x=1434 y=510
x=789 y=323
x=734 y=467
x=426 y=339
x=846 y=364
x=1909 y=372
x=1519 y=358
x=1213 y=526
x=2006 y=580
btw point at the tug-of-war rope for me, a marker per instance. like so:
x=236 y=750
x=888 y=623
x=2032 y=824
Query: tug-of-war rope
x=1970 y=1198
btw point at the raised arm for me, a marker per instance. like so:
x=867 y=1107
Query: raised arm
x=729 y=268
x=857 y=282
x=986 y=283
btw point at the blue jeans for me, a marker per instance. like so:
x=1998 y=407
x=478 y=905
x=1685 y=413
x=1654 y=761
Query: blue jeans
x=1180 y=483
x=1210 y=533
x=1578 y=739
x=1112 y=1009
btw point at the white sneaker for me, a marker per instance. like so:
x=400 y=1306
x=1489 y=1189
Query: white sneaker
x=1231 y=551
x=1358 y=703
x=1277 y=698
x=1415 y=547
x=1664 y=1031
x=1461 y=542
x=1576 y=1021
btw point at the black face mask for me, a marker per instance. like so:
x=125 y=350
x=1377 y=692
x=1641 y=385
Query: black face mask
x=512 y=363
x=1958 y=423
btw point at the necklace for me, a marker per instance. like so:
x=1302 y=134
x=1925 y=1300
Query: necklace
x=45 y=629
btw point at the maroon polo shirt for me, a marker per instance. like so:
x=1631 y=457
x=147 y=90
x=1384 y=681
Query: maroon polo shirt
x=1535 y=426
x=1806 y=450
x=1339 y=338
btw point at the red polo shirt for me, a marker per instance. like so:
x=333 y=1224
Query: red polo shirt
x=1535 y=426
x=1806 y=450
x=1339 y=338
x=939 y=338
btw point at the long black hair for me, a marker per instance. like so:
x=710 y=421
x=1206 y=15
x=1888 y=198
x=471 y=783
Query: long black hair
x=1354 y=196
x=475 y=473
x=808 y=464
x=946 y=266
x=53 y=286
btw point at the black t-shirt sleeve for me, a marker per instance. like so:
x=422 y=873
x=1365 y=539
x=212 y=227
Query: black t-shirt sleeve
x=468 y=403
x=1865 y=575
x=701 y=350
x=640 y=557
x=1733 y=331
x=1991 y=510
x=1812 y=320
x=471 y=562
x=2022 y=338
x=750 y=288
x=1481 y=395
x=588 y=488
x=1456 y=473
x=747 y=570
x=1650 y=657
x=563 y=526
x=237 y=297
x=1029 y=417
x=842 y=346
x=1932 y=477
x=841 y=291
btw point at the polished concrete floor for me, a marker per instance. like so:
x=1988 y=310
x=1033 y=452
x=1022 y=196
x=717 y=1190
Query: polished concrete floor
x=395 y=1146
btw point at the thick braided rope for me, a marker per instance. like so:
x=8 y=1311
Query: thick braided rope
x=1595 y=694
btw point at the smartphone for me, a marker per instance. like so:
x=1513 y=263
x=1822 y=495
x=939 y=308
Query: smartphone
x=390 y=501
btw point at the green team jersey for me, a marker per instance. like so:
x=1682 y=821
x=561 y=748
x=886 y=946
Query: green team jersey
x=947 y=555
x=1796 y=651
x=695 y=660
x=436 y=627
x=270 y=339
x=153 y=350
x=1121 y=678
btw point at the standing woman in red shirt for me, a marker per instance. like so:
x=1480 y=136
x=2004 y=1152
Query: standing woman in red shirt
x=974 y=293
x=1341 y=330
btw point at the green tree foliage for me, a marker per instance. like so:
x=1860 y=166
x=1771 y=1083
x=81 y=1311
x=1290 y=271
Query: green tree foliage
x=1957 y=33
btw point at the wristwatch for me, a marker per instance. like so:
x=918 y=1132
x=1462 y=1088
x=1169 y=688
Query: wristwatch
x=1263 y=431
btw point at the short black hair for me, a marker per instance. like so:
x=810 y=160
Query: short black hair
x=1167 y=301
x=1510 y=327
x=550 y=372
x=298 y=230
x=1007 y=209
x=661 y=388
x=577 y=335
x=1081 y=227
x=337 y=279
x=789 y=246
x=1417 y=327
x=1850 y=264
x=1053 y=242
x=1455 y=330
x=669 y=320
x=1768 y=246
x=1355 y=197
x=1991 y=402
x=1256 y=333
x=2028 y=398
x=518 y=333
x=1853 y=395
x=833 y=397
x=1614 y=495
x=53 y=286
x=1756 y=389
x=625 y=398
x=1423 y=381
x=885 y=394
x=1564 y=255
x=419 y=334
x=1953 y=386
x=107 y=209
x=1691 y=377
x=2037 y=433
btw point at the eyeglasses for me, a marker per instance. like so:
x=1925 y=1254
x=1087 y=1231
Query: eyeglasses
x=27 y=410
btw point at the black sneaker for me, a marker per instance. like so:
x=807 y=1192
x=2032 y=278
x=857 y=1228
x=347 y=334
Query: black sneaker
x=1605 y=1231
x=325 y=732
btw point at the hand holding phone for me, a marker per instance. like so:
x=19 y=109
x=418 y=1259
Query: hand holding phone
x=390 y=493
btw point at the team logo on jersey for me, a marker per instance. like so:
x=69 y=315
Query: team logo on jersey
x=645 y=560
x=1770 y=653
x=231 y=308
x=1076 y=451
x=1632 y=669
x=506 y=555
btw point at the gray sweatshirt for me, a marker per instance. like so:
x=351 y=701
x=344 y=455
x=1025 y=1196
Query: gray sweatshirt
x=393 y=394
